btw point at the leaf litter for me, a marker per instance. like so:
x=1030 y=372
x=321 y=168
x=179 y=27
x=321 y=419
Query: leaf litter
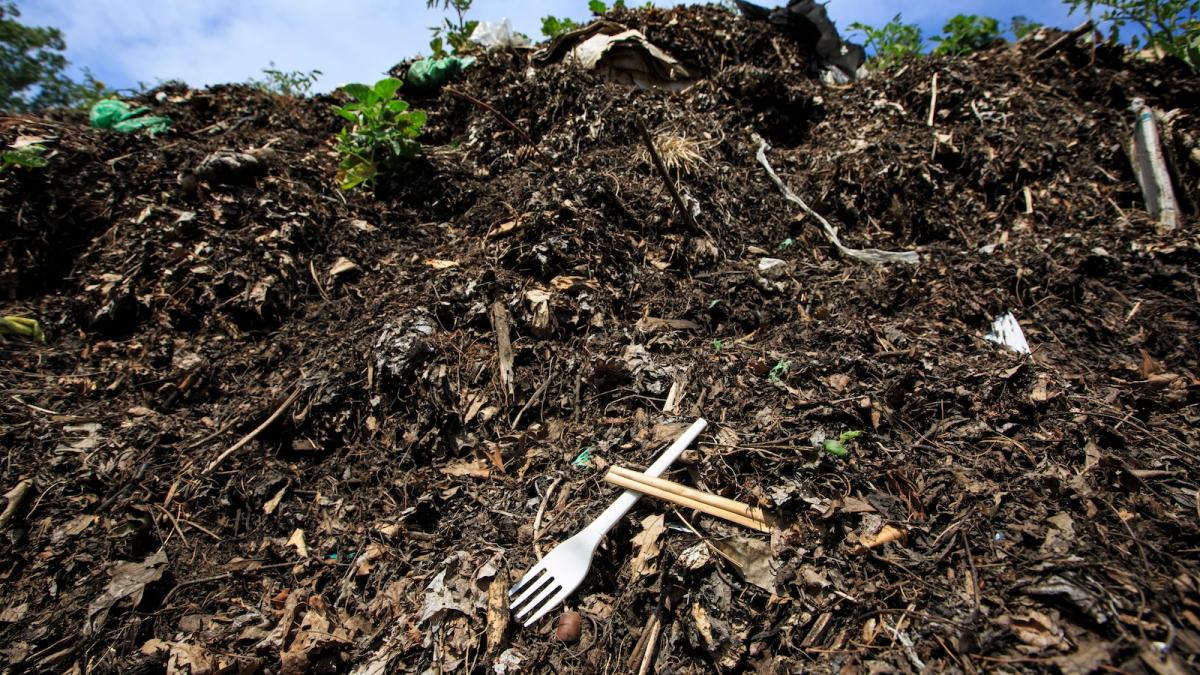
x=1003 y=509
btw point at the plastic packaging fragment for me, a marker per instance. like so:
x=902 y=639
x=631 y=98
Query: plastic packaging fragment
x=118 y=116
x=429 y=73
x=497 y=35
x=1006 y=331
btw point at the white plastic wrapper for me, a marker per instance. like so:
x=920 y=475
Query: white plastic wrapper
x=1006 y=331
x=497 y=35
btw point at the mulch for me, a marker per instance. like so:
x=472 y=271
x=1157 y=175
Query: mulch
x=389 y=479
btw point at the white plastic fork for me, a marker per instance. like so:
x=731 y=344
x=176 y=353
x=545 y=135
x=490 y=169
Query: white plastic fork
x=550 y=581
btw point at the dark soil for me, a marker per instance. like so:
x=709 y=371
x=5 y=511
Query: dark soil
x=395 y=485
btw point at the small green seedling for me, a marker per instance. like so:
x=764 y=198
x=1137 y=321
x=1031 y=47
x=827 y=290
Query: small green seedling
x=786 y=244
x=892 y=44
x=837 y=446
x=779 y=371
x=22 y=327
x=382 y=132
x=718 y=345
x=26 y=157
x=286 y=82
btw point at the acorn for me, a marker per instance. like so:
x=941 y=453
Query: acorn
x=568 y=626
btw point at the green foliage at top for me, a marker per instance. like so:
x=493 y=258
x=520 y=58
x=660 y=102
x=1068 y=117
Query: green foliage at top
x=552 y=26
x=966 y=33
x=454 y=34
x=1022 y=26
x=382 y=132
x=286 y=82
x=32 y=65
x=599 y=7
x=893 y=43
x=1170 y=25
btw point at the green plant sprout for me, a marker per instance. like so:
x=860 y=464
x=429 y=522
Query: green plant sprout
x=26 y=157
x=718 y=344
x=779 y=370
x=382 y=132
x=455 y=34
x=837 y=446
x=23 y=327
x=286 y=82
x=894 y=42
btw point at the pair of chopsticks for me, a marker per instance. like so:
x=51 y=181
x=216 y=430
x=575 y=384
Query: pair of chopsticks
x=682 y=495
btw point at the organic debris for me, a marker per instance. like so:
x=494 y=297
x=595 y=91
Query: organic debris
x=283 y=427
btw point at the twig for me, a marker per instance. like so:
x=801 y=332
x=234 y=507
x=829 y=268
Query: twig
x=537 y=520
x=1069 y=37
x=651 y=645
x=511 y=125
x=16 y=501
x=253 y=434
x=871 y=255
x=175 y=524
x=666 y=178
x=932 y=101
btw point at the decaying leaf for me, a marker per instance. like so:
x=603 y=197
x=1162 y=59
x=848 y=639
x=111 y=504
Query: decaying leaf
x=752 y=559
x=316 y=633
x=470 y=467
x=273 y=503
x=497 y=613
x=341 y=266
x=647 y=543
x=297 y=541
x=1036 y=630
x=886 y=534
x=129 y=580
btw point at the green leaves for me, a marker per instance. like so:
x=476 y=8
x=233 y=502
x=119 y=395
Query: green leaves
x=28 y=157
x=893 y=43
x=965 y=33
x=552 y=26
x=597 y=6
x=837 y=446
x=1170 y=25
x=382 y=132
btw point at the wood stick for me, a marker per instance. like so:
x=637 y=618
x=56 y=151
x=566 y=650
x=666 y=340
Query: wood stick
x=666 y=178
x=699 y=495
x=932 y=101
x=711 y=510
x=1069 y=37
x=253 y=434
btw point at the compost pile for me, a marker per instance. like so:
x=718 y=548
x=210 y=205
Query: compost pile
x=277 y=427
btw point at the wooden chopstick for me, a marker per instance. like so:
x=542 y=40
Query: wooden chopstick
x=699 y=495
x=681 y=495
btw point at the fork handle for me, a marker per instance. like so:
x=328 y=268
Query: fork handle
x=605 y=521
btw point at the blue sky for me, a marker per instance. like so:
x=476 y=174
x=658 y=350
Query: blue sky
x=216 y=41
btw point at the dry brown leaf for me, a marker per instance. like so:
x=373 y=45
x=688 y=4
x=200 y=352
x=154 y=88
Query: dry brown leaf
x=441 y=264
x=1035 y=630
x=297 y=541
x=468 y=467
x=341 y=266
x=273 y=503
x=647 y=543
x=886 y=534
x=751 y=557
x=497 y=613
x=129 y=580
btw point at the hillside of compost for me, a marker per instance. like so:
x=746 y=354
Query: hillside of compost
x=277 y=427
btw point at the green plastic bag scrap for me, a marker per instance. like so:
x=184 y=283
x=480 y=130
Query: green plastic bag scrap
x=118 y=116
x=430 y=73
